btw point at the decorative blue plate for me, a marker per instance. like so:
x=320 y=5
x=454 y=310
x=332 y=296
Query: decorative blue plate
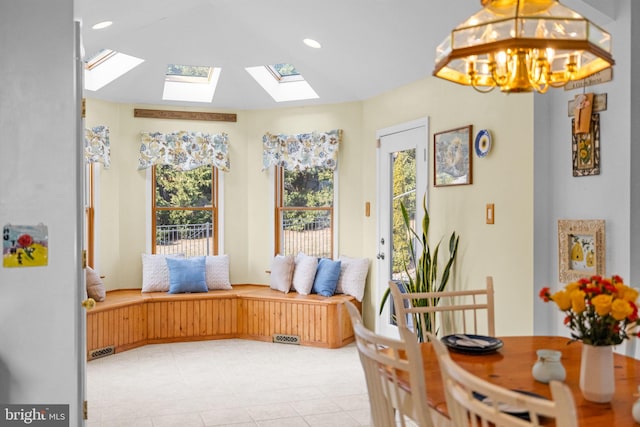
x=485 y=344
x=483 y=143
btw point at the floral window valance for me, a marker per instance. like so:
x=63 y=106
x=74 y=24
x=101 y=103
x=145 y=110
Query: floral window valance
x=303 y=151
x=96 y=145
x=184 y=150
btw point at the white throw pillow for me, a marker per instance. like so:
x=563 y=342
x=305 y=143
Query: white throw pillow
x=353 y=275
x=304 y=273
x=217 y=270
x=282 y=273
x=155 y=272
x=95 y=287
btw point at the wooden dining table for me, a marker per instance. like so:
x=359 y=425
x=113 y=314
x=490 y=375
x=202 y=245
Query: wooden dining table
x=511 y=366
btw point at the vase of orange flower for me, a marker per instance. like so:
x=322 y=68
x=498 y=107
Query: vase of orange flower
x=601 y=312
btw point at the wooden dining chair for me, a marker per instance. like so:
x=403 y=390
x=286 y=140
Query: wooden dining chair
x=473 y=401
x=394 y=377
x=464 y=311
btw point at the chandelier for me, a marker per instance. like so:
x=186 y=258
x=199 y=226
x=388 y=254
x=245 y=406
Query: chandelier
x=521 y=46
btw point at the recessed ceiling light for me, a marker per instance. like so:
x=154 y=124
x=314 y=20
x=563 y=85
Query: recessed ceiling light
x=101 y=25
x=312 y=43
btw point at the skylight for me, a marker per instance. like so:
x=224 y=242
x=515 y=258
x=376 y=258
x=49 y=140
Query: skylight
x=285 y=73
x=283 y=82
x=106 y=66
x=190 y=83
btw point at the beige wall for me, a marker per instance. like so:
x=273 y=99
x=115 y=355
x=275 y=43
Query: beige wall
x=504 y=177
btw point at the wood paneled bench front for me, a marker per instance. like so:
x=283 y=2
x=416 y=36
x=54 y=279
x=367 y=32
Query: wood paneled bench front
x=129 y=318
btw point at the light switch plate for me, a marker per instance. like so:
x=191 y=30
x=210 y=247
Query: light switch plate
x=490 y=213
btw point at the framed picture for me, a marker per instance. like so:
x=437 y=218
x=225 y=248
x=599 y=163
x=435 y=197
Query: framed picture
x=581 y=249
x=585 y=148
x=452 y=157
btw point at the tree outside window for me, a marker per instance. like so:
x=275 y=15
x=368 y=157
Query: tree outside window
x=185 y=211
x=304 y=212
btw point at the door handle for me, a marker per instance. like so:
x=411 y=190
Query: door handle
x=380 y=255
x=89 y=303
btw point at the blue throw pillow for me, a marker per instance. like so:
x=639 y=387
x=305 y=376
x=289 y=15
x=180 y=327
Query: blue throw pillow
x=187 y=275
x=327 y=276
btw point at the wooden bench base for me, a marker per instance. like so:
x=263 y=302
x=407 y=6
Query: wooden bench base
x=129 y=318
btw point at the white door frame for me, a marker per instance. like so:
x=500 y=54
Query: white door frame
x=81 y=290
x=382 y=265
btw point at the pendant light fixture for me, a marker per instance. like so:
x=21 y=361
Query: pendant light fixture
x=522 y=46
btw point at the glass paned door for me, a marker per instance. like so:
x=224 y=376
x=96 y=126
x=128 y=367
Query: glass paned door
x=402 y=179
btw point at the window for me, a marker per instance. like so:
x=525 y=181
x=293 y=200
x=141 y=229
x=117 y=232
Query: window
x=106 y=66
x=89 y=212
x=189 y=73
x=283 y=82
x=184 y=211
x=96 y=151
x=190 y=83
x=285 y=73
x=304 y=212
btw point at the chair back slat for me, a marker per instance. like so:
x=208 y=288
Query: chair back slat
x=462 y=311
x=394 y=377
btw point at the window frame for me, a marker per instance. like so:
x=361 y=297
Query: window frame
x=215 y=209
x=278 y=172
x=90 y=213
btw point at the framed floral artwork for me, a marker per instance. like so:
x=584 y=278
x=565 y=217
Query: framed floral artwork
x=585 y=148
x=581 y=249
x=452 y=160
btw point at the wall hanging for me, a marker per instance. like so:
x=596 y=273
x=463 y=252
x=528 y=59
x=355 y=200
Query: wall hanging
x=482 y=144
x=581 y=249
x=452 y=160
x=25 y=245
x=585 y=148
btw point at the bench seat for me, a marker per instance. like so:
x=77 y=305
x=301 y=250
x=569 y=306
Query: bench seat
x=129 y=318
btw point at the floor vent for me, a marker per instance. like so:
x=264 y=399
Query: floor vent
x=286 y=339
x=101 y=352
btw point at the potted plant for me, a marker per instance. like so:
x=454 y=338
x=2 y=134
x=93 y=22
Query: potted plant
x=425 y=268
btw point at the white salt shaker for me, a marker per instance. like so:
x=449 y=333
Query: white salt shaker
x=548 y=366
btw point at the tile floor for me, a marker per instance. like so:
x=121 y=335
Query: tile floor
x=227 y=383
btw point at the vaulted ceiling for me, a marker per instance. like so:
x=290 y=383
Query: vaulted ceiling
x=368 y=46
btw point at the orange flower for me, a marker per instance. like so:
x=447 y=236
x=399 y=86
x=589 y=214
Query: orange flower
x=602 y=304
x=572 y=287
x=598 y=311
x=562 y=299
x=620 y=309
x=630 y=294
x=578 y=304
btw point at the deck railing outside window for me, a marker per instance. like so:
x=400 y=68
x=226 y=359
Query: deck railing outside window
x=189 y=239
x=307 y=230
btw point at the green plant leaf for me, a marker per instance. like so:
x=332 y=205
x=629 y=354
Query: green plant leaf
x=425 y=277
